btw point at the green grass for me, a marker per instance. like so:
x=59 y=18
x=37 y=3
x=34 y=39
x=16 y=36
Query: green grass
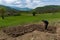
x=26 y=18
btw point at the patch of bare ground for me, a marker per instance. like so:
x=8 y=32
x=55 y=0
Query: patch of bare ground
x=58 y=32
x=29 y=32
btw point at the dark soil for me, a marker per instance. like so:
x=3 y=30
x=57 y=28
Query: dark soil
x=21 y=30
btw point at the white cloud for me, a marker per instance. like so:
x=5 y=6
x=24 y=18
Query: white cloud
x=33 y=4
x=8 y=1
x=26 y=3
x=29 y=3
x=18 y=2
x=0 y=1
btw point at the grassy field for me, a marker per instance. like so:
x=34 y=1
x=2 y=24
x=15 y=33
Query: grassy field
x=28 y=18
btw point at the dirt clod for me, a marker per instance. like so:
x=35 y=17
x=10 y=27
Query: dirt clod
x=21 y=30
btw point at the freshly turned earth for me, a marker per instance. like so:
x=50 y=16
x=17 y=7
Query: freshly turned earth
x=29 y=32
x=21 y=30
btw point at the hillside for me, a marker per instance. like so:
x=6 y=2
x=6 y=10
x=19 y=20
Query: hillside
x=48 y=9
x=9 y=10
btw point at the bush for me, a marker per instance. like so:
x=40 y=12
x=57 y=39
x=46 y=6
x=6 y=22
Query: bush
x=17 y=14
x=34 y=13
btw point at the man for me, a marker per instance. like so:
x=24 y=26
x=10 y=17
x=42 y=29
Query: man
x=46 y=23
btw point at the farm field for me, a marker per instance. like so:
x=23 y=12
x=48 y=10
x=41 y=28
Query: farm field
x=30 y=31
x=28 y=18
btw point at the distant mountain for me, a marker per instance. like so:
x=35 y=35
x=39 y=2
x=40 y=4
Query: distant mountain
x=22 y=9
x=16 y=8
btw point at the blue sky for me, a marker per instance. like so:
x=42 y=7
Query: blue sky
x=29 y=3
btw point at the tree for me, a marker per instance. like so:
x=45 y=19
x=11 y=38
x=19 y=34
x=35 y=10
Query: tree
x=34 y=13
x=2 y=11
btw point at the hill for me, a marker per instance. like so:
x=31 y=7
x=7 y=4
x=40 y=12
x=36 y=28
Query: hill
x=9 y=10
x=48 y=9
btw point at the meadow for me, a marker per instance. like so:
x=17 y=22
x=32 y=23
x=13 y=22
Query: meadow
x=28 y=18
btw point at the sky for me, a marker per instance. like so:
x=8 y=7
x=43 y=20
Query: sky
x=29 y=3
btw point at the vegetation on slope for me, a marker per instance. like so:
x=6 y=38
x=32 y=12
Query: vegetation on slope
x=47 y=9
x=9 y=11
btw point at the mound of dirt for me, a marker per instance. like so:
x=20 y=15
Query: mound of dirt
x=21 y=30
x=35 y=35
